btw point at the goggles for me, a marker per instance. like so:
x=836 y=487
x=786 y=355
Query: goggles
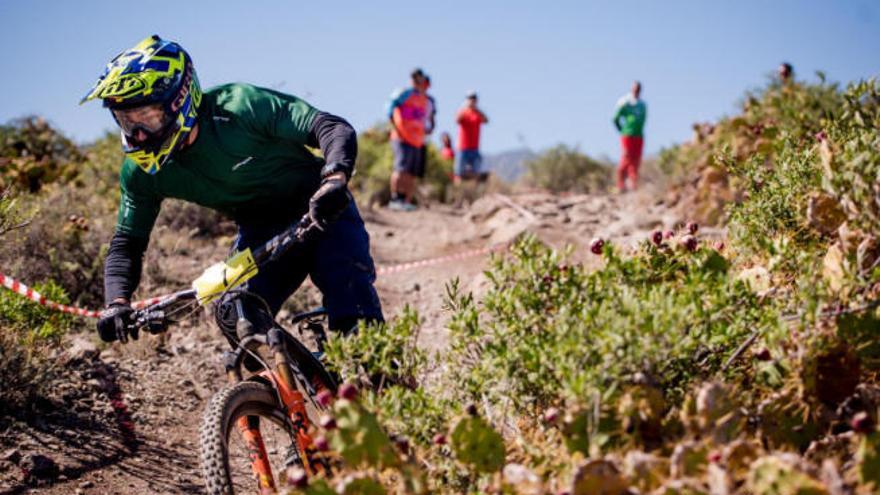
x=143 y=125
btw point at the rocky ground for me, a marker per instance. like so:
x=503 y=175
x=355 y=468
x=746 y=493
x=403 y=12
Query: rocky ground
x=125 y=419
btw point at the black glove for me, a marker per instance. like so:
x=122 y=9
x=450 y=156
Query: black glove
x=113 y=322
x=330 y=200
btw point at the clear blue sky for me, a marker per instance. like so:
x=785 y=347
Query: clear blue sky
x=547 y=71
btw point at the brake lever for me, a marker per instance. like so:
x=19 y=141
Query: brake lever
x=151 y=321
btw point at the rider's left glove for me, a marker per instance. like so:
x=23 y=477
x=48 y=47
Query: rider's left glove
x=114 y=321
x=330 y=200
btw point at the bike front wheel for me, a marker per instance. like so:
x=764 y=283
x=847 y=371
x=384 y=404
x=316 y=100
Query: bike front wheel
x=246 y=441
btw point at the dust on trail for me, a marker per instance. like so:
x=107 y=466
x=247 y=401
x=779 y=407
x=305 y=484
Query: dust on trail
x=128 y=420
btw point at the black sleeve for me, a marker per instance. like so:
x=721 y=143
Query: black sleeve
x=122 y=268
x=337 y=140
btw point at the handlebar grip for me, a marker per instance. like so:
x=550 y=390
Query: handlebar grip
x=302 y=230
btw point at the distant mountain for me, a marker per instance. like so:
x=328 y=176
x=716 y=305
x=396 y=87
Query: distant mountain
x=508 y=165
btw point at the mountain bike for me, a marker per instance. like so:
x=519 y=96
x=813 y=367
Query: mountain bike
x=262 y=423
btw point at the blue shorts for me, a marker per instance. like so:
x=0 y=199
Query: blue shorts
x=407 y=158
x=468 y=162
x=339 y=264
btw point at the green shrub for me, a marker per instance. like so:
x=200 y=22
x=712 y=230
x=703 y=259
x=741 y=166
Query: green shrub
x=566 y=169
x=382 y=353
x=32 y=154
x=371 y=181
x=33 y=321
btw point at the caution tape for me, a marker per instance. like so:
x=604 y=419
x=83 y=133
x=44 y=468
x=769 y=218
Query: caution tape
x=28 y=292
x=402 y=267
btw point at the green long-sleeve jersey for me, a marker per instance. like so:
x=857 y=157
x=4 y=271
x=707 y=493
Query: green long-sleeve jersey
x=630 y=116
x=249 y=161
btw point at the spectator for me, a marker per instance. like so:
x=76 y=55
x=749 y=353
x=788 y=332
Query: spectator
x=469 y=119
x=446 y=152
x=629 y=119
x=407 y=113
x=786 y=72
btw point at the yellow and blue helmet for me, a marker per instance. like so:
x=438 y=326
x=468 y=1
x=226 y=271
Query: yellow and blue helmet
x=153 y=93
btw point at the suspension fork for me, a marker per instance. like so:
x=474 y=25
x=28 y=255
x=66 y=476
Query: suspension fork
x=249 y=427
x=292 y=398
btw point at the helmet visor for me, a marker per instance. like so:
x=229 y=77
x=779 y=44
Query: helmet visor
x=143 y=125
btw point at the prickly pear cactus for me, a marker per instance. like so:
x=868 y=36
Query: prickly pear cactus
x=785 y=422
x=359 y=438
x=645 y=470
x=521 y=480
x=712 y=403
x=360 y=484
x=681 y=487
x=868 y=461
x=738 y=456
x=772 y=475
x=598 y=477
x=641 y=411
x=575 y=432
x=829 y=373
x=581 y=431
x=317 y=487
x=476 y=444
x=688 y=459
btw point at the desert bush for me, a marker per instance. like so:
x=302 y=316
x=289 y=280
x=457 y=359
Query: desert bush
x=27 y=330
x=32 y=153
x=566 y=169
x=371 y=181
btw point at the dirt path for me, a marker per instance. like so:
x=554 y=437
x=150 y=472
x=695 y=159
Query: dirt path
x=130 y=416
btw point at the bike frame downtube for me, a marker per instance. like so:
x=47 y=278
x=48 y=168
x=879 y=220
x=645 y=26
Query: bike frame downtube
x=249 y=428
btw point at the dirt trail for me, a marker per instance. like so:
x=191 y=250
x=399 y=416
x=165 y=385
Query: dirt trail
x=130 y=416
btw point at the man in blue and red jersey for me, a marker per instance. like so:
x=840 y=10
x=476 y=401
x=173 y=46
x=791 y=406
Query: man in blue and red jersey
x=407 y=112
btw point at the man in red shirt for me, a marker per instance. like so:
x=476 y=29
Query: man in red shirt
x=469 y=118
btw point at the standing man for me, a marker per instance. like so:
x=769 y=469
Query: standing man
x=629 y=119
x=469 y=119
x=408 y=113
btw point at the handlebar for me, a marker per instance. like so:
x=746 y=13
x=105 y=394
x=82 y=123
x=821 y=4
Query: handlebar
x=154 y=317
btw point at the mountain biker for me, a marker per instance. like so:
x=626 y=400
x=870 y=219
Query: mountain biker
x=241 y=150
x=629 y=119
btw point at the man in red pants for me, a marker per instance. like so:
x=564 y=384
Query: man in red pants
x=629 y=119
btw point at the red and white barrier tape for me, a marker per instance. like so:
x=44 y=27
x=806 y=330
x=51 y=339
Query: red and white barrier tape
x=402 y=267
x=22 y=289
x=19 y=288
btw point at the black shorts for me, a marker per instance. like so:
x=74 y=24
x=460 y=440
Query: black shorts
x=406 y=157
x=423 y=159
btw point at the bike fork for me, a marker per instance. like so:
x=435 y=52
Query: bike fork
x=249 y=427
x=292 y=399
